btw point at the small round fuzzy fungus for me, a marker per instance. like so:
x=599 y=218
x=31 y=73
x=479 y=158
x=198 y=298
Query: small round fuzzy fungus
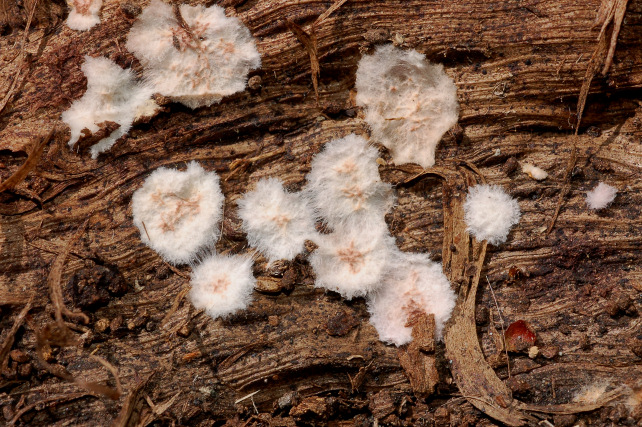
x=351 y=261
x=178 y=213
x=409 y=103
x=112 y=95
x=83 y=14
x=414 y=284
x=193 y=54
x=344 y=184
x=222 y=284
x=490 y=213
x=601 y=196
x=277 y=223
x=534 y=172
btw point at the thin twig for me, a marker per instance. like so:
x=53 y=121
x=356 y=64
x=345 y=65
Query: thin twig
x=23 y=43
x=501 y=318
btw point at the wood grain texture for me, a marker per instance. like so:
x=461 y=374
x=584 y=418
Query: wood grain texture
x=518 y=67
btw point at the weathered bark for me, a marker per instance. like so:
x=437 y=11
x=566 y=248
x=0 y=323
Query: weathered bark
x=518 y=66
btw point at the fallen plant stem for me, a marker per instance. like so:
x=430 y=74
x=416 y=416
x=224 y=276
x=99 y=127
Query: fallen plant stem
x=611 y=11
x=31 y=162
x=9 y=339
x=130 y=402
x=55 y=275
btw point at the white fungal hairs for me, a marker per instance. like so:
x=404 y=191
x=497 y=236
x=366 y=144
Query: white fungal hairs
x=490 y=213
x=351 y=261
x=534 y=172
x=414 y=284
x=344 y=184
x=178 y=213
x=197 y=61
x=409 y=102
x=601 y=196
x=222 y=284
x=277 y=223
x=83 y=14
x=112 y=95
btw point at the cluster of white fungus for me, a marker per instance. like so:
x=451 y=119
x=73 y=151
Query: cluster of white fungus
x=193 y=54
x=178 y=212
x=413 y=285
x=490 y=213
x=83 y=14
x=409 y=102
x=113 y=95
x=344 y=184
x=277 y=222
x=601 y=196
x=222 y=284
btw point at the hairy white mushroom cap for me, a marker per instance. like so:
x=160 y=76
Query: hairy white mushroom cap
x=534 y=172
x=414 y=284
x=277 y=222
x=112 y=95
x=490 y=213
x=601 y=196
x=409 y=102
x=344 y=184
x=178 y=213
x=222 y=284
x=352 y=261
x=83 y=14
x=198 y=61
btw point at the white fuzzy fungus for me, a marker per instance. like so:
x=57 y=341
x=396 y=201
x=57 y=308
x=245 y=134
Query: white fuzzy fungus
x=414 y=284
x=83 y=14
x=534 y=172
x=352 y=261
x=601 y=196
x=277 y=222
x=344 y=184
x=409 y=102
x=222 y=284
x=195 y=57
x=112 y=95
x=178 y=213
x=490 y=213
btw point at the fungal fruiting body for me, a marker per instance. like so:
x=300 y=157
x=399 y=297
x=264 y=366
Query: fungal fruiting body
x=534 y=172
x=83 y=14
x=344 y=184
x=351 y=261
x=601 y=196
x=413 y=285
x=409 y=102
x=193 y=54
x=489 y=213
x=178 y=213
x=277 y=222
x=222 y=285
x=112 y=95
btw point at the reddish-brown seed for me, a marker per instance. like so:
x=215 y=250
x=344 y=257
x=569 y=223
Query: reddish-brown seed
x=519 y=336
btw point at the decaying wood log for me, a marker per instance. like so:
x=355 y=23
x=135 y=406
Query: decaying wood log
x=519 y=67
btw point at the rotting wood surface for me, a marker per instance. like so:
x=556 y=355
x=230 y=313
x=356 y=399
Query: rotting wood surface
x=518 y=67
